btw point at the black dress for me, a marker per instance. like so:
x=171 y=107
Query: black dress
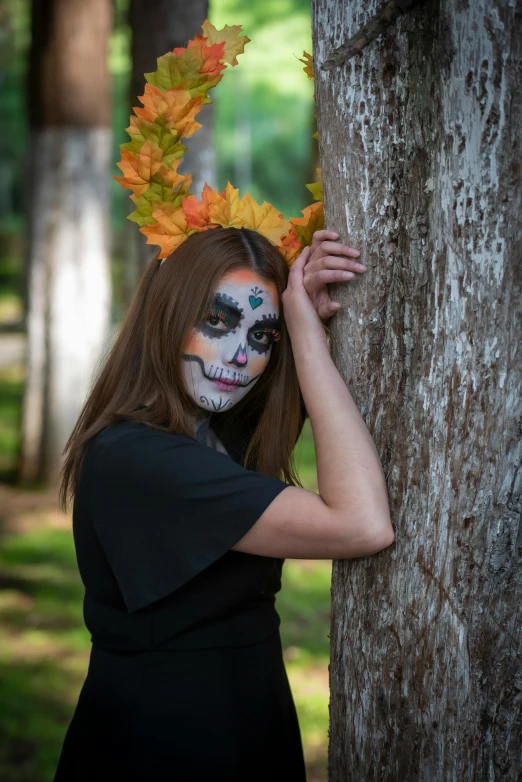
x=186 y=678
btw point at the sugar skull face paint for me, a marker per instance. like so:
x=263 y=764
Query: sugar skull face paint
x=228 y=352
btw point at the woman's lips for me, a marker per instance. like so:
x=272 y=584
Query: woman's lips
x=223 y=386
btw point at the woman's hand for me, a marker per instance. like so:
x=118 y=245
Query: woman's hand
x=328 y=261
x=301 y=317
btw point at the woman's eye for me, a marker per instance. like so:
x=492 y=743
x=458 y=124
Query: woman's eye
x=218 y=320
x=261 y=336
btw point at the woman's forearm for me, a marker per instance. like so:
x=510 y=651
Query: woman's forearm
x=350 y=474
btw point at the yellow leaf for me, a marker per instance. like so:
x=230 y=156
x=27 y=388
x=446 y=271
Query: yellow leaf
x=229 y=35
x=223 y=209
x=316 y=188
x=263 y=218
x=308 y=62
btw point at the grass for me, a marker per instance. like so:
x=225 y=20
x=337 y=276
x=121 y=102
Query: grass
x=45 y=646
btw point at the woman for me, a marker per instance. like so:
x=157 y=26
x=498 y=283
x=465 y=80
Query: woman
x=182 y=520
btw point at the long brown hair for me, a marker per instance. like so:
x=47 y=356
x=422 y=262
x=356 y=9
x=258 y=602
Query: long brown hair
x=145 y=361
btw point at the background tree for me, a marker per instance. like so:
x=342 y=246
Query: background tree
x=421 y=157
x=68 y=260
x=158 y=26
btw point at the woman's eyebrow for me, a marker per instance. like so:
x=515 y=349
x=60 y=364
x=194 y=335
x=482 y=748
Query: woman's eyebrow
x=226 y=302
x=270 y=322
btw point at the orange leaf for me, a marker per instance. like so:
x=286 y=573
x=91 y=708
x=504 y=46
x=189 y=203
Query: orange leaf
x=138 y=171
x=312 y=220
x=290 y=246
x=178 y=108
x=169 y=231
x=212 y=56
x=229 y=35
x=197 y=212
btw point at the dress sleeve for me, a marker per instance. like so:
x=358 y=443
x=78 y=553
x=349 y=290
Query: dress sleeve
x=165 y=507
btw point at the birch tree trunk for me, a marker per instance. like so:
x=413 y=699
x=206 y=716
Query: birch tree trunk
x=68 y=252
x=158 y=26
x=420 y=148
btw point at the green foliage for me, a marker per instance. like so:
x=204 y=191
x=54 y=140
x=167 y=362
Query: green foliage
x=11 y=387
x=264 y=104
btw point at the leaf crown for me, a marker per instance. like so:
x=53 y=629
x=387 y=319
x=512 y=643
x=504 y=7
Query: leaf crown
x=166 y=211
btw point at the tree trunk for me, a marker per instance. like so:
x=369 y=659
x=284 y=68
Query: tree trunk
x=158 y=26
x=421 y=157
x=68 y=252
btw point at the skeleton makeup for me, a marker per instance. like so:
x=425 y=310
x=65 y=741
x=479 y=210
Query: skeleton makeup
x=228 y=352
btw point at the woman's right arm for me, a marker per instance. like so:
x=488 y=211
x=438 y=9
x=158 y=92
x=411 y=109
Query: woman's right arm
x=350 y=517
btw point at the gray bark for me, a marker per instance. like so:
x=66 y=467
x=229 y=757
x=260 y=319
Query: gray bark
x=420 y=150
x=68 y=281
x=69 y=289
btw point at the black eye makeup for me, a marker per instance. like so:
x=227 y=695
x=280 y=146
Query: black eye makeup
x=222 y=318
x=263 y=334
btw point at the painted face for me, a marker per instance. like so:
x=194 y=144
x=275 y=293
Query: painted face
x=228 y=352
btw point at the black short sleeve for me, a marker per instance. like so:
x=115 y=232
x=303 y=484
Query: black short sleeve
x=165 y=507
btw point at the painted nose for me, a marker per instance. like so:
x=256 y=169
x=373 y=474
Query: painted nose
x=240 y=358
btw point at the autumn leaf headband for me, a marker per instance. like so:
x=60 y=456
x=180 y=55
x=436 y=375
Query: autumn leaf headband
x=166 y=211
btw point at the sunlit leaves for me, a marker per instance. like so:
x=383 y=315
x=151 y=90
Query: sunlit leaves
x=165 y=210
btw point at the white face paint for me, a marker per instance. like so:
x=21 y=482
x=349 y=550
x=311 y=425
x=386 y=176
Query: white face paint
x=225 y=355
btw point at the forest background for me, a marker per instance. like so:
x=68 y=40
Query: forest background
x=263 y=126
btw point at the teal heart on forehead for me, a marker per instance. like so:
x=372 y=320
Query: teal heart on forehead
x=255 y=301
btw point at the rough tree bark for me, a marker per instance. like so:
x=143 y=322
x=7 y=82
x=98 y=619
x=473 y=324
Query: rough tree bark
x=68 y=254
x=421 y=156
x=157 y=27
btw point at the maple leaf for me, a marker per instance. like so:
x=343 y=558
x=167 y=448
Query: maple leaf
x=183 y=72
x=197 y=212
x=316 y=188
x=139 y=170
x=308 y=62
x=212 y=56
x=262 y=218
x=229 y=35
x=175 y=106
x=158 y=191
x=312 y=220
x=169 y=230
x=139 y=130
x=290 y=246
x=224 y=208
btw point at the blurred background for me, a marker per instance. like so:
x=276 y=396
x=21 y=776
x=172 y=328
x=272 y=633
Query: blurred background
x=70 y=70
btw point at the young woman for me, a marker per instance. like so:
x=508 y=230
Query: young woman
x=186 y=503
